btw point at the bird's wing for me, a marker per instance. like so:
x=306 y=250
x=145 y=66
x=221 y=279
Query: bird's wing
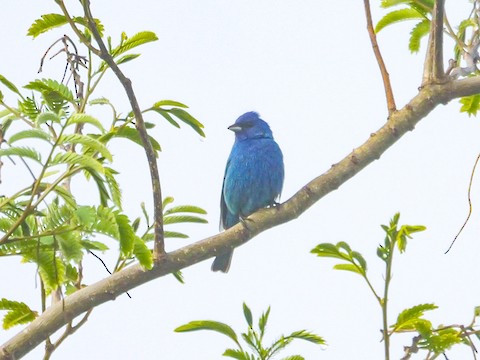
x=223 y=205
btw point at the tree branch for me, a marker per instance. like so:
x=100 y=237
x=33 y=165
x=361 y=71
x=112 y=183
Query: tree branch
x=383 y=69
x=433 y=71
x=159 y=246
x=109 y=288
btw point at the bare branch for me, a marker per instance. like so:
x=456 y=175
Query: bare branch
x=159 y=247
x=433 y=68
x=108 y=289
x=383 y=69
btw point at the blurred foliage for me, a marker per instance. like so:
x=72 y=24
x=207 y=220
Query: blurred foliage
x=254 y=338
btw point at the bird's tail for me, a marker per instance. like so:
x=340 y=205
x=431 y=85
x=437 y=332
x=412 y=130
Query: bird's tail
x=222 y=262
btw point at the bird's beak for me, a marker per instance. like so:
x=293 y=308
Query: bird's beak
x=235 y=128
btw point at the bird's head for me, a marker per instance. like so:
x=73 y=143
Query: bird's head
x=250 y=126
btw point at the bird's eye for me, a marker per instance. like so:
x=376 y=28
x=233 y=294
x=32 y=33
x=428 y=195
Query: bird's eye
x=247 y=125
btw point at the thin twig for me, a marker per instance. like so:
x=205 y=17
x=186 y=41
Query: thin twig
x=159 y=247
x=469 y=204
x=383 y=69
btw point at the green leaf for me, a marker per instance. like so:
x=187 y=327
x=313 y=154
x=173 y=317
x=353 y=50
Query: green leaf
x=179 y=276
x=50 y=21
x=417 y=34
x=142 y=253
x=64 y=194
x=174 y=234
x=88 y=143
x=133 y=135
x=70 y=245
x=236 y=354
x=407 y=318
x=29 y=107
x=294 y=357
x=307 y=336
x=49 y=86
x=126 y=235
x=50 y=268
x=134 y=41
x=248 y=315
x=94 y=245
x=75 y=159
x=45 y=23
x=9 y=85
x=80 y=118
x=86 y=215
x=30 y=134
x=24 y=152
x=167 y=116
x=185 y=209
x=262 y=322
x=470 y=104
x=17 y=313
x=183 y=219
x=127 y=58
x=47 y=116
x=161 y=103
x=189 y=120
x=114 y=187
x=396 y=16
x=209 y=325
x=348 y=267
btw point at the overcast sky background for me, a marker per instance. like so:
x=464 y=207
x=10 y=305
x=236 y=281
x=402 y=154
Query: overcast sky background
x=307 y=67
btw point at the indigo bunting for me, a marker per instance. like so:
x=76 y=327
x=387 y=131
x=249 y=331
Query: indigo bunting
x=253 y=176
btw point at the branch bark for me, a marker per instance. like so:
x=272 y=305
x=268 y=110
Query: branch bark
x=109 y=288
x=159 y=246
x=378 y=56
x=433 y=71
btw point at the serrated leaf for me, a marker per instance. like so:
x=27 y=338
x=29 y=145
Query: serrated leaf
x=396 y=16
x=70 y=246
x=470 y=104
x=174 y=234
x=138 y=39
x=45 y=23
x=88 y=143
x=49 y=86
x=50 y=21
x=126 y=235
x=75 y=159
x=236 y=354
x=417 y=34
x=185 y=209
x=175 y=219
x=142 y=253
x=80 y=118
x=22 y=151
x=30 y=134
x=209 y=325
x=406 y=319
x=94 y=245
x=47 y=116
x=17 y=313
x=114 y=187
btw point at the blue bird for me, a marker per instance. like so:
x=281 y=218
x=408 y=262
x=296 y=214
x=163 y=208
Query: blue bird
x=253 y=176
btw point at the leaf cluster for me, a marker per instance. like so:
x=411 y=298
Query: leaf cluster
x=254 y=338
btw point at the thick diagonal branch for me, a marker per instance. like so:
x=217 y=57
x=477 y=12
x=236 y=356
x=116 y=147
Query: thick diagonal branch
x=159 y=247
x=108 y=289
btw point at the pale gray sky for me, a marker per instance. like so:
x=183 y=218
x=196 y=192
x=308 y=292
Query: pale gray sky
x=308 y=69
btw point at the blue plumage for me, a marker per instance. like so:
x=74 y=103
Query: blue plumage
x=253 y=175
